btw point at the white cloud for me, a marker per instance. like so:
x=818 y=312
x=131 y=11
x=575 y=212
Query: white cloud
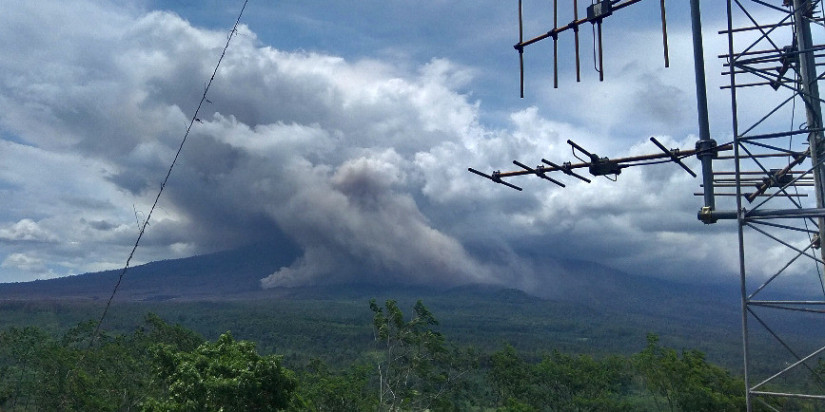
x=33 y=267
x=26 y=230
x=361 y=161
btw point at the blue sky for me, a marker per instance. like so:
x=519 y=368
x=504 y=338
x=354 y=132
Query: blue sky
x=346 y=128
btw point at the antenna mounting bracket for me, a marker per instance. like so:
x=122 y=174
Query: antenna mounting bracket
x=599 y=10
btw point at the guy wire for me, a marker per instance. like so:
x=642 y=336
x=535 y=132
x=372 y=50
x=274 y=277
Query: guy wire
x=168 y=173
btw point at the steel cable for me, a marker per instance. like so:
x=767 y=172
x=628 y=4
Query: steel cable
x=192 y=121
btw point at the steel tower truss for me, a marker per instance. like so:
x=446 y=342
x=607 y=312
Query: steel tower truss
x=774 y=188
x=773 y=185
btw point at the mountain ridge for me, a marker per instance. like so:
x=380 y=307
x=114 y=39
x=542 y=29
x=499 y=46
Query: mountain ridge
x=235 y=275
x=582 y=298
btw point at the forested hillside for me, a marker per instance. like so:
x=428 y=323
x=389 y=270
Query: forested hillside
x=400 y=360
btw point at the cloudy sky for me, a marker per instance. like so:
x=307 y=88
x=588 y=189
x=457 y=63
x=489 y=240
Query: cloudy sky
x=346 y=129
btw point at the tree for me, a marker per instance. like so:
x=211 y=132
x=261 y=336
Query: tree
x=322 y=389
x=76 y=372
x=582 y=383
x=415 y=366
x=688 y=383
x=156 y=331
x=657 y=366
x=559 y=382
x=159 y=367
x=19 y=374
x=510 y=376
x=224 y=375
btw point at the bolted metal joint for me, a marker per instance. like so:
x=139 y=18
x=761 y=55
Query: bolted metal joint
x=707 y=148
x=604 y=166
x=706 y=216
x=777 y=178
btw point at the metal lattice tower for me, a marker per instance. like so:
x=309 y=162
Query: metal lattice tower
x=776 y=174
x=772 y=186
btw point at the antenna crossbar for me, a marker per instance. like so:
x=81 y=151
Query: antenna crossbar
x=596 y=13
x=598 y=166
x=572 y=25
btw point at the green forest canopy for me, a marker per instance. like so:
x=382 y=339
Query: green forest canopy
x=407 y=365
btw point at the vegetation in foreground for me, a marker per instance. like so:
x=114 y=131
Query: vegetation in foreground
x=409 y=365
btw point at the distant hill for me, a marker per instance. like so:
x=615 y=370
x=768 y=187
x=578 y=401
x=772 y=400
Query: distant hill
x=580 y=306
x=236 y=274
x=222 y=275
x=608 y=308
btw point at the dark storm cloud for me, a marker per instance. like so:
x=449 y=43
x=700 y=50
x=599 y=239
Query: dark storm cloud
x=361 y=162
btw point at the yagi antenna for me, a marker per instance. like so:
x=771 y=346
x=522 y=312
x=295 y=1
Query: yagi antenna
x=599 y=11
x=603 y=166
x=539 y=171
x=555 y=45
x=664 y=33
x=576 y=36
x=673 y=156
x=596 y=13
x=779 y=178
x=566 y=169
x=599 y=166
x=521 y=49
x=496 y=177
